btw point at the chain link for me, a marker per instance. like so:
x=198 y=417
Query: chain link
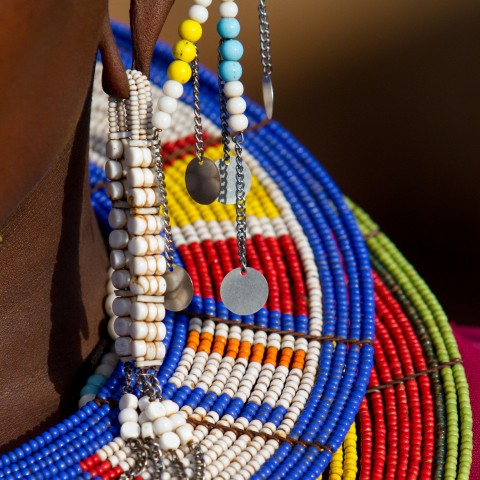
x=241 y=206
x=128 y=370
x=155 y=455
x=265 y=50
x=199 y=460
x=223 y=112
x=148 y=383
x=160 y=171
x=199 y=145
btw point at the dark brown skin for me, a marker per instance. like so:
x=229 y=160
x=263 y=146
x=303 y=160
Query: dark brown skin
x=53 y=261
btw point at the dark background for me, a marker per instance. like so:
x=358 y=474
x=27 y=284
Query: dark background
x=386 y=95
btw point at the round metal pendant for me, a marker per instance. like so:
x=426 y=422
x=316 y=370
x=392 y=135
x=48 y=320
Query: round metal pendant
x=267 y=87
x=228 y=180
x=202 y=180
x=179 y=291
x=244 y=294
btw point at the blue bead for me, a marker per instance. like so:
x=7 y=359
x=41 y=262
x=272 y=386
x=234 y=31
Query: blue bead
x=231 y=50
x=89 y=389
x=228 y=27
x=230 y=71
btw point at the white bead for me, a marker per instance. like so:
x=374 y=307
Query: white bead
x=161 y=331
x=236 y=105
x=143 y=403
x=137 y=197
x=198 y=13
x=117 y=259
x=203 y=3
x=122 y=327
x=139 y=311
x=104 y=369
x=128 y=400
x=122 y=346
x=135 y=177
x=155 y=410
x=147 y=430
x=228 y=9
x=169 y=441
x=84 y=399
x=137 y=246
x=138 y=330
x=113 y=170
x=114 y=190
x=133 y=156
x=121 y=306
x=136 y=225
x=170 y=407
x=117 y=218
x=160 y=351
x=173 y=89
x=238 y=123
x=130 y=430
x=167 y=104
x=127 y=415
x=120 y=279
x=162 y=425
x=147 y=157
x=162 y=120
x=138 y=266
x=114 y=149
x=118 y=239
x=233 y=89
x=110 y=359
x=139 y=348
x=185 y=433
x=109 y=303
x=142 y=418
x=177 y=420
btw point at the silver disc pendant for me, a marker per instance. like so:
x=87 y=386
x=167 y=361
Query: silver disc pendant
x=179 y=291
x=228 y=180
x=267 y=87
x=202 y=180
x=244 y=294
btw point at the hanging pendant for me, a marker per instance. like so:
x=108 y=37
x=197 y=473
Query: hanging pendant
x=202 y=180
x=228 y=180
x=179 y=292
x=266 y=57
x=244 y=292
x=267 y=89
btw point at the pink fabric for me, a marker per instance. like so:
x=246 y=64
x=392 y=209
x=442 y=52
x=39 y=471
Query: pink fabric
x=468 y=339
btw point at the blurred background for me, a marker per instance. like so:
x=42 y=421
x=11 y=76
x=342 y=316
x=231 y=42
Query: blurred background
x=386 y=96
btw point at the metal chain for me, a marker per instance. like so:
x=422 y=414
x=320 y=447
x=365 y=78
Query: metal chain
x=223 y=112
x=265 y=50
x=160 y=171
x=128 y=369
x=155 y=454
x=197 y=117
x=177 y=467
x=241 y=207
x=140 y=454
x=199 y=460
x=148 y=383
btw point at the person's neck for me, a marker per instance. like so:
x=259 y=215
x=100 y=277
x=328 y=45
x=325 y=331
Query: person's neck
x=53 y=270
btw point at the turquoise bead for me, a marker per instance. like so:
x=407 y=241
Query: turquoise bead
x=97 y=380
x=231 y=50
x=230 y=71
x=89 y=389
x=228 y=27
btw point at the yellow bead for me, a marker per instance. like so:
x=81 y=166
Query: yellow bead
x=184 y=50
x=190 y=30
x=180 y=71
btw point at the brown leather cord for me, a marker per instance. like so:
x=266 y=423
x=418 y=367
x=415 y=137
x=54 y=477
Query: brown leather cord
x=249 y=326
x=147 y=18
x=266 y=436
x=413 y=376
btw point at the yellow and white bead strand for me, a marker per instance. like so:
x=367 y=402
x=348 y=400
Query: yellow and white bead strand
x=180 y=71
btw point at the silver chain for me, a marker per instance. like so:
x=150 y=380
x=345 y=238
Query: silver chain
x=265 y=51
x=241 y=207
x=197 y=117
x=155 y=454
x=128 y=369
x=199 y=460
x=160 y=171
x=148 y=383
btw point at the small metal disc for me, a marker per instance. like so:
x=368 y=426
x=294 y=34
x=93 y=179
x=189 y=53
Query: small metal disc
x=179 y=291
x=202 y=180
x=244 y=294
x=268 y=95
x=228 y=180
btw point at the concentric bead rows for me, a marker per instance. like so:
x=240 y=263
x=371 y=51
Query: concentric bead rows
x=136 y=247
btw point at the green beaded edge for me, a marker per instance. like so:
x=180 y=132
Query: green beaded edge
x=459 y=422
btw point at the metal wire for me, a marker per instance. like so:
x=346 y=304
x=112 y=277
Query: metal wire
x=199 y=461
x=241 y=207
x=160 y=171
x=197 y=117
x=265 y=50
x=223 y=112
